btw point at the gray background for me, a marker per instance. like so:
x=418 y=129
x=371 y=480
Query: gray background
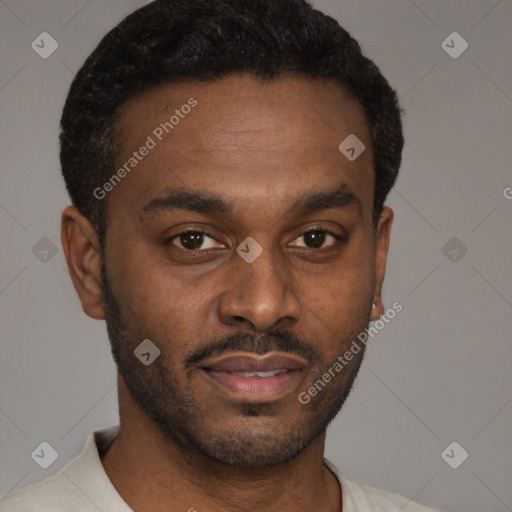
x=438 y=373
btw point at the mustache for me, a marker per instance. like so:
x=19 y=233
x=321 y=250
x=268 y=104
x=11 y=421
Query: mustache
x=260 y=344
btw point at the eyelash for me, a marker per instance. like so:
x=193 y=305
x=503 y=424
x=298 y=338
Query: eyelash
x=339 y=239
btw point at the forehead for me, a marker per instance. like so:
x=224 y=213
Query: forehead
x=242 y=135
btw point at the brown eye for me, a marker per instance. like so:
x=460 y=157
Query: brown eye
x=316 y=238
x=194 y=241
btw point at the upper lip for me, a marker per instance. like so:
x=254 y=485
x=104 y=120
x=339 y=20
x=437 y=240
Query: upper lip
x=254 y=363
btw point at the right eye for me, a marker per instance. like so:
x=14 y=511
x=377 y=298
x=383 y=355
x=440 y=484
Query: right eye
x=193 y=240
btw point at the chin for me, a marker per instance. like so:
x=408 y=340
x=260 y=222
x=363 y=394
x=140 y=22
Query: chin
x=253 y=441
x=258 y=453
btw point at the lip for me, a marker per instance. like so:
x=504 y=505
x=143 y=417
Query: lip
x=224 y=372
x=239 y=362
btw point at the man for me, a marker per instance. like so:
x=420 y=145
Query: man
x=228 y=163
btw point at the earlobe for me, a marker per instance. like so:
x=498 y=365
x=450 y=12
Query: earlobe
x=81 y=248
x=382 y=243
x=377 y=309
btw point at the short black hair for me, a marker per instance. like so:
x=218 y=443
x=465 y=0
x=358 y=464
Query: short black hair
x=170 y=41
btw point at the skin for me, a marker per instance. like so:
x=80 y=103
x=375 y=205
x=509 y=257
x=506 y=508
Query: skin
x=259 y=146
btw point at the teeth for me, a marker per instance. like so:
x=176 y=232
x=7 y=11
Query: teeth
x=261 y=375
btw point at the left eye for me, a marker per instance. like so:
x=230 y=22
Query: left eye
x=316 y=238
x=194 y=240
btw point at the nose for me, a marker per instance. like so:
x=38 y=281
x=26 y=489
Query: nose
x=260 y=295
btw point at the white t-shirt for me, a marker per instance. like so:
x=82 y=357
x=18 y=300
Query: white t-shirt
x=83 y=486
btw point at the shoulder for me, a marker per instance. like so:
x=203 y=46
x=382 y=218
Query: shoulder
x=359 y=497
x=82 y=483
x=377 y=500
x=46 y=495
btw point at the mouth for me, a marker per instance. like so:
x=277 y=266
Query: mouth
x=252 y=378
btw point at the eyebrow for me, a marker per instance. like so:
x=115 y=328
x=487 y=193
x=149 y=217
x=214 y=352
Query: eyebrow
x=340 y=198
x=207 y=203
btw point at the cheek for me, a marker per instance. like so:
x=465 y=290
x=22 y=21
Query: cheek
x=337 y=307
x=342 y=293
x=150 y=296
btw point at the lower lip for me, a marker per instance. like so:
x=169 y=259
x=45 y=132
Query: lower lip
x=256 y=389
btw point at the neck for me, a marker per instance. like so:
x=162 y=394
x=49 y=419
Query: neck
x=152 y=472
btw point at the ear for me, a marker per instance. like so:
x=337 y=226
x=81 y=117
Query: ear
x=383 y=236
x=81 y=248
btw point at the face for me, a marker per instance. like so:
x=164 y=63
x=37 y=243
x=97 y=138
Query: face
x=241 y=244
